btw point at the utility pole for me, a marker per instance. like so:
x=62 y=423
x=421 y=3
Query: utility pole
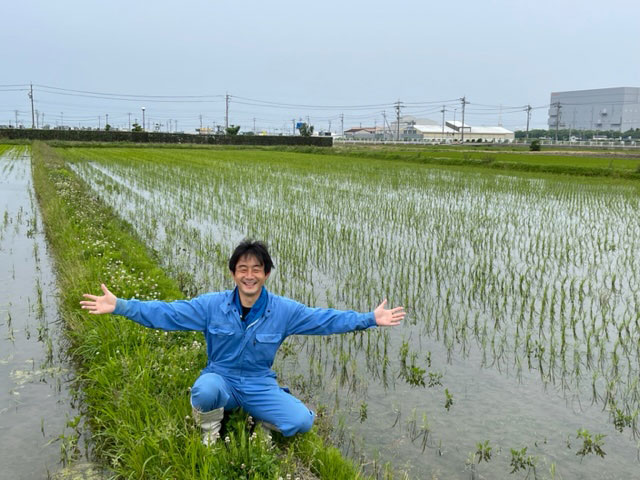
x=342 y=124
x=254 y=125
x=144 y=127
x=384 y=125
x=528 y=118
x=37 y=118
x=558 y=107
x=16 y=111
x=443 y=110
x=226 y=114
x=200 y=124
x=455 y=110
x=33 y=117
x=107 y=120
x=129 y=120
x=397 y=107
x=98 y=122
x=62 y=119
x=293 y=126
x=464 y=103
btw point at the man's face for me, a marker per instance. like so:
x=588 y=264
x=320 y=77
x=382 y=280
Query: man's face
x=249 y=276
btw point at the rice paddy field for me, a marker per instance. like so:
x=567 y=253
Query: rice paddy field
x=520 y=354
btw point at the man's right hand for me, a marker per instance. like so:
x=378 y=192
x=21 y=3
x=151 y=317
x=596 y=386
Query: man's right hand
x=100 y=304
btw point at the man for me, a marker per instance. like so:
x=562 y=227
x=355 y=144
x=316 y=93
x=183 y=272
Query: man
x=244 y=328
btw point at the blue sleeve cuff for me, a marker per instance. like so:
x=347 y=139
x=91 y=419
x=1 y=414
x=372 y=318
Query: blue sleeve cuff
x=121 y=306
x=372 y=320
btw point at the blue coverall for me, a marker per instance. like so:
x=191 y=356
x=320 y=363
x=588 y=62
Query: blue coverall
x=238 y=371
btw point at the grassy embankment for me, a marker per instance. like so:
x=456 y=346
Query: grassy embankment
x=134 y=381
x=584 y=163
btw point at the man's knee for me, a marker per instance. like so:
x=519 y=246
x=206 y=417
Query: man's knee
x=209 y=392
x=300 y=422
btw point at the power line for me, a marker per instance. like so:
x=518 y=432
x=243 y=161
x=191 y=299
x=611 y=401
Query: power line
x=127 y=94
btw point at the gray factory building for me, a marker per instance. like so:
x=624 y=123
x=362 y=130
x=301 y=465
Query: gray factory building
x=598 y=109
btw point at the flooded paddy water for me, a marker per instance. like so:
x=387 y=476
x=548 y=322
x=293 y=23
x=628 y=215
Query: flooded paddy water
x=520 y=354
x=34 y=399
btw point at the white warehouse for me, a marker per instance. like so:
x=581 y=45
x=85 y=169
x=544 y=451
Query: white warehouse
x=414 y=129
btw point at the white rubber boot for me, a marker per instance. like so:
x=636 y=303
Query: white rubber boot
x=210 y=423
x=268 y=427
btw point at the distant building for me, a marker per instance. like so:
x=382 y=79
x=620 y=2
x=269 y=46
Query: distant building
x=482 y=133
x=426 y=130
x=412 y=129
x=598 y=109
x=360 y=133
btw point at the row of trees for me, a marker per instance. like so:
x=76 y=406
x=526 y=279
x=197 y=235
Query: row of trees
x=305 y=130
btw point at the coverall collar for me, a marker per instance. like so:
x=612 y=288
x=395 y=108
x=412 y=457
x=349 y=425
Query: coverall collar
x=258 y=308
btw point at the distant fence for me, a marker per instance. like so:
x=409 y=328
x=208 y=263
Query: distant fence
x=629 y=144
x=605 y=144
x=160 y=137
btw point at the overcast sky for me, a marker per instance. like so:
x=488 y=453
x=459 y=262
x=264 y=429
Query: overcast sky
x=350 y=57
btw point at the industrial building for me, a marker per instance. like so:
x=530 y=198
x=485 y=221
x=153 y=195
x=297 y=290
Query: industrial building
x=598 y=109
x=414 y=129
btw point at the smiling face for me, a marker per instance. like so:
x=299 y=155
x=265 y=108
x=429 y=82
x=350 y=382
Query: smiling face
x=249 y=277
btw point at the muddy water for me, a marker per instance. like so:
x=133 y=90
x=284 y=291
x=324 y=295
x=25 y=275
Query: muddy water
x=34 y=399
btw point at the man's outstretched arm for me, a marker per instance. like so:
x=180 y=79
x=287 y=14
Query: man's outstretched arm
x=325 y=321
x=178 y=315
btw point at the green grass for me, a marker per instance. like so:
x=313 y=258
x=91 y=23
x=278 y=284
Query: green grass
x=133 y=382
x=578 y=163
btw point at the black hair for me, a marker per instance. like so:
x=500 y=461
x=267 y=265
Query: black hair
x=252 y=248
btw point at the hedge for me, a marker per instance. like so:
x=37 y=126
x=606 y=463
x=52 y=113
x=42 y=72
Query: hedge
x=159 y=137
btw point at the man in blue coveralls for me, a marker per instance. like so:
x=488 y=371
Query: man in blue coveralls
x=244 y=328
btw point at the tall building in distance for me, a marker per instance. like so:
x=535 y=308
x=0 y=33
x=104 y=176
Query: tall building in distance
x=599 y=109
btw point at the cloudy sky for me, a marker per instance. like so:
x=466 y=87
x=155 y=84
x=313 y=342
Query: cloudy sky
x=288 y=60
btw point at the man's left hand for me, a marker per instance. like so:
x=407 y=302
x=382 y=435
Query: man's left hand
x=388 y=318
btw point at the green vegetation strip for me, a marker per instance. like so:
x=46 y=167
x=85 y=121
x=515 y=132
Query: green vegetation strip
x=607 y=165
x=134 y=381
